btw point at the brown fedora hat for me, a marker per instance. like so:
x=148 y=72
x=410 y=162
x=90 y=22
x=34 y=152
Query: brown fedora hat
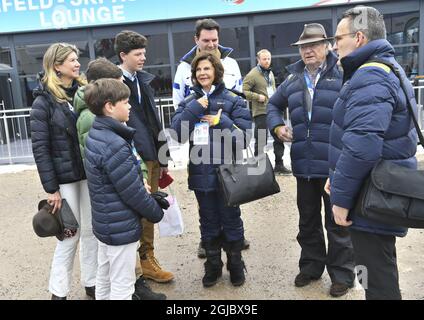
x=312 y=32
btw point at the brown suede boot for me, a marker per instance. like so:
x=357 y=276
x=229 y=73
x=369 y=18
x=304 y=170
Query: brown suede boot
x=152 y=269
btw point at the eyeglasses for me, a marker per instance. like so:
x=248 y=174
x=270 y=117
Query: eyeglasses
x=341 y=36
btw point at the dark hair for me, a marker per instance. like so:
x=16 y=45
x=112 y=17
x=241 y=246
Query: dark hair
x=206 y=24
x=216 y=64
x=101 y=91
x=127 y=40
x=102 y=68
x=368 y=20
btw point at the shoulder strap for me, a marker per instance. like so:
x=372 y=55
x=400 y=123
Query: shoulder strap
x=375 y=62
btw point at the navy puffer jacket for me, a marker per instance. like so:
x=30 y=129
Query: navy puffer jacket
x=235 y=120
x=118 y=197
x=370 y=122
x=309 y=150
x=54 y=141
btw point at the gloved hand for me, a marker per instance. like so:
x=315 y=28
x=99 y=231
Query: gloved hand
x=160 y=198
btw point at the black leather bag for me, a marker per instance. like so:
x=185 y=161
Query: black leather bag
x=245 y=182
x=394 y=194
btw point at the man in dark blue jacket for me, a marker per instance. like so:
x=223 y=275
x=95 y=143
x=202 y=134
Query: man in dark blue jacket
x=370 y=122
x=309 y=92
x=130 y=47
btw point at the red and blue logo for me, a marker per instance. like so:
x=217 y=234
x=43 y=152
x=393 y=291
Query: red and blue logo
x=234 y=1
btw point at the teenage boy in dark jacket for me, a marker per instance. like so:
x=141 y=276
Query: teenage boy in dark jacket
x=117 y=192
x=130 y=47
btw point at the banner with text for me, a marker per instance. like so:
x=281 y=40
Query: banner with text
x=31 y=15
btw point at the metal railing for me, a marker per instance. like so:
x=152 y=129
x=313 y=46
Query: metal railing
x=15 y=133
x=15 y=142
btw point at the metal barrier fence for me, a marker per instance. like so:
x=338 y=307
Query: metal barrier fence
x=15 y=134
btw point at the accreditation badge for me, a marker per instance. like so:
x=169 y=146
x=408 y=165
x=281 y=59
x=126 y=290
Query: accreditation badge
x=201 y=133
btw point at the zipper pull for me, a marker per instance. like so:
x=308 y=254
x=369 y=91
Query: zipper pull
x=307 y=134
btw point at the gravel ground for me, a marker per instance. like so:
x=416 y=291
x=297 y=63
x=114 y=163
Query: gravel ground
x=271 y=261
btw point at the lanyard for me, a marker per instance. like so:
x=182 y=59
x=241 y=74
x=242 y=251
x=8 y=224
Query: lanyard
x=311 y=89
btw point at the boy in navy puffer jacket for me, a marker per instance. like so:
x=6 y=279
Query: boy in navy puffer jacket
x=118 y=196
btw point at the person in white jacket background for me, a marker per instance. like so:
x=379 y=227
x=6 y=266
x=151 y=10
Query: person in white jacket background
x=207 y=40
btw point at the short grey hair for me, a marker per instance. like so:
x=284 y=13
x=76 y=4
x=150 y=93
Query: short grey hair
x=367 y=20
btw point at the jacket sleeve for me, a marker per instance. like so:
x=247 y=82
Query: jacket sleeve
x=239 y=79
x=178 y=86
x=248 y=85
x=184 y=119
x=123 y=174
x=41 y=144
x=368 y=115
x=275 y=108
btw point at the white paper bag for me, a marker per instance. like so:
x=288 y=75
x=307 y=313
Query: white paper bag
x=172 y=223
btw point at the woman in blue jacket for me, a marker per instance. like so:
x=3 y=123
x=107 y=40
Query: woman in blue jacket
x=217 y=120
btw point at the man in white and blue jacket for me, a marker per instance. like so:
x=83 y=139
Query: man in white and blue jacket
x=207 y=40
x=309 y=93
x=370 y=122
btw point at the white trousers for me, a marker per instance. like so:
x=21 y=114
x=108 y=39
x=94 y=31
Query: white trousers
x=77 y=196
x=115 y=274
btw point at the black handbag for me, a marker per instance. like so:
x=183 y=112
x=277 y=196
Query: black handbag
x=394 y=194
x=245 y=182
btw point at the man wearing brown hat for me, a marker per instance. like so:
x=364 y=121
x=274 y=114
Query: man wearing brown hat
x=309 y=93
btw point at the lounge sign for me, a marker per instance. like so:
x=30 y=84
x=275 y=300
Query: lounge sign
x=31 y=15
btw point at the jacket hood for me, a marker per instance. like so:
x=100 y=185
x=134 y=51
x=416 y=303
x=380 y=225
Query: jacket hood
x=39 y=89
x=189 y=56
x=378 y=48
x=299 y=66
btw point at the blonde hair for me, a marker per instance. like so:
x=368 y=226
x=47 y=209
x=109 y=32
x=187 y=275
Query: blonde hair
x=258 y=54
x=55 y=55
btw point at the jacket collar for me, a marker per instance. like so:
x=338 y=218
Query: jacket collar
x=299 y=66
x=378 y=48
x=218 y=89
x=143 y=76
x=105 y=122
x=189 y=56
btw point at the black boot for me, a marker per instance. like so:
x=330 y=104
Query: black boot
x=144 y=292
x=213 y=264
x=235 y=263
x=91 y=292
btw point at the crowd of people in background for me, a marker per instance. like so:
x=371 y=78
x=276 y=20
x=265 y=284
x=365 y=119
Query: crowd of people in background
x=98 y=143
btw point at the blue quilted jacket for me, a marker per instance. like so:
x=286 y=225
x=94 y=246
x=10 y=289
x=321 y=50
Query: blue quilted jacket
x=235 y=120
x=370 y=122
x=118 y=197
x=309 y=150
